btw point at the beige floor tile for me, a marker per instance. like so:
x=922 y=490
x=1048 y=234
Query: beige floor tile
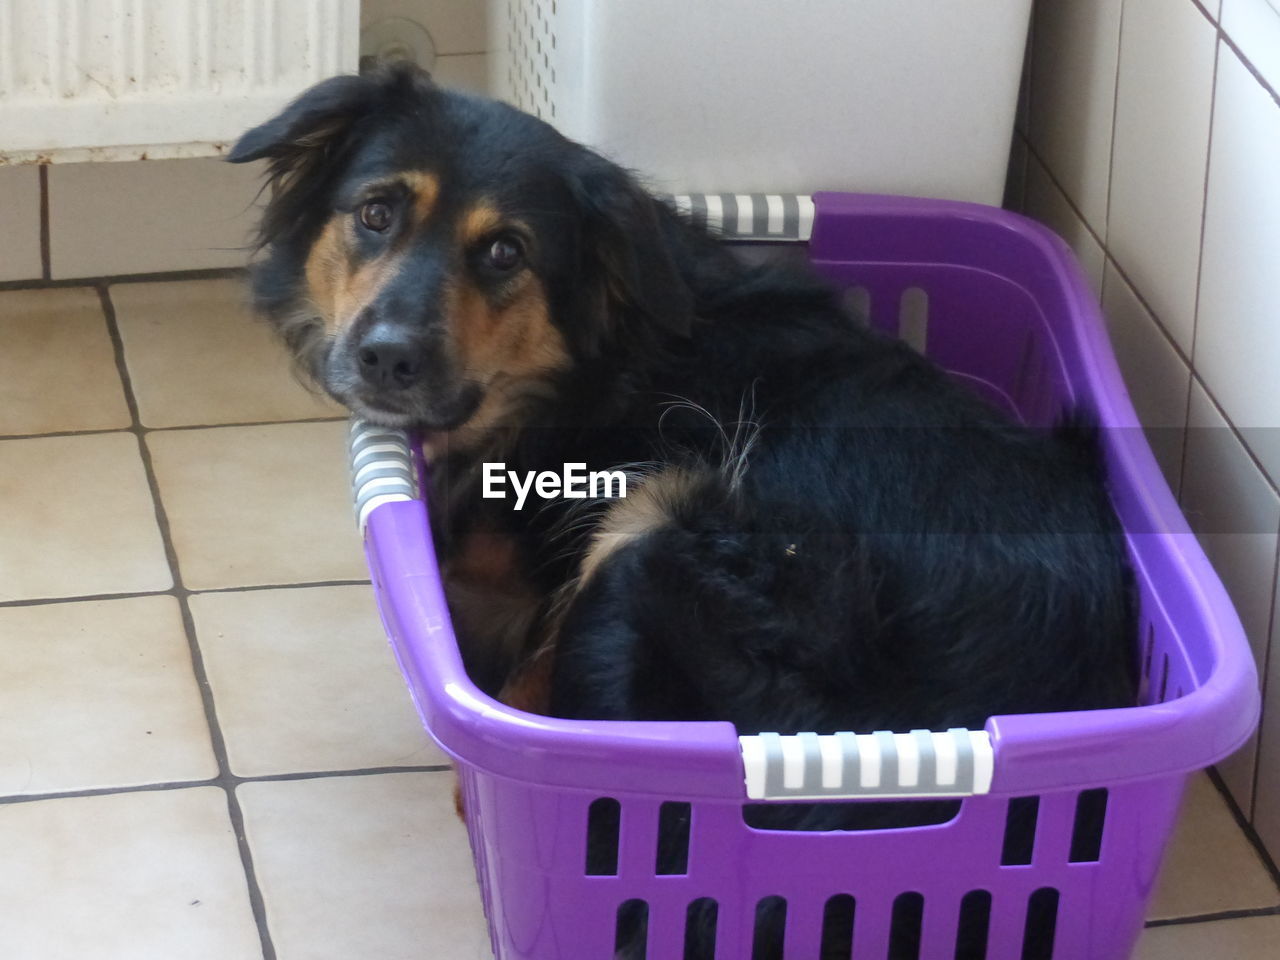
x=259 y=505
x=135 y=876
x=374 y=866
x=57 y=366
x=1250 y=938
x=98 y=694
x=196 y=355
x=1210 y=867
x=304 y=679
x=78 y=519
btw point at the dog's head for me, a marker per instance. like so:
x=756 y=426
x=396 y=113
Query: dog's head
x=432 y=257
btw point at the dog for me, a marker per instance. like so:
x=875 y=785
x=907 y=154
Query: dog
x=822 y=530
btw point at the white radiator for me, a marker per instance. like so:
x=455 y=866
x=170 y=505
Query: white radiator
x=132 y=79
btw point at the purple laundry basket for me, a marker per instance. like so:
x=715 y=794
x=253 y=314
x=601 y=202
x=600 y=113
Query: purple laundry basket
x=1000 y=302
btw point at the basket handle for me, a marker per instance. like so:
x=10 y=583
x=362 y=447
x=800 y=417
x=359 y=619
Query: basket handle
x=382 y=469
x=922 y=763
x=776 y=217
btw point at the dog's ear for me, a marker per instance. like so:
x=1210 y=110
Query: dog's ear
x=313 y=121
x=629 y=269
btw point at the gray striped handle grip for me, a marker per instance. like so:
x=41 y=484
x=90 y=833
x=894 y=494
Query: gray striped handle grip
x=749 y=216
x=381 y=468
x=922 y=763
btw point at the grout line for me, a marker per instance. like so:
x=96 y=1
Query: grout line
x=87 y=598
x=1211 y=917
x=47 y=283
x=1268 y=863
x=1264 y=672
x=360 y=772
x=1034 y=154
x=1226 y=38
x=1205 y=12
x=1235 y=432
x=1111 y=151
x=1248 y=65
x=218 y=742
x=172 y=592
x=46 y=266
x=258 y=587
x=229 y=782
x=1204 y=216
x=52 y=434
x=246 y=423
x=181 y=426
x=105 y=791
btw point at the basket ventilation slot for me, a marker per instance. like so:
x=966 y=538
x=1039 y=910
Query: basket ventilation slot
x=700 y=929
x=603 y=822
x=1042 y=923
x=1020 y=832
x=837 y=927
x=913 y=319
x=974 y=927
x=904 y=932
x=631 y=936
x=1091 y=818
x=771 y=921
x=1144 y=694
x=857 y=301
x=673 y=839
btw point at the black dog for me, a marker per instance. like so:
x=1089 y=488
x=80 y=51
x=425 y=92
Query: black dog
x=822 y=531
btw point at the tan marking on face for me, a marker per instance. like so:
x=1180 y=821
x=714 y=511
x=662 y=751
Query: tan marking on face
x=425 y=190
x=481 y=219
x=510 y=349
x=646 y=508
x=326 y=264
x=338 y=292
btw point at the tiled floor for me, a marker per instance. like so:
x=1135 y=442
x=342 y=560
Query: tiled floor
x=205 y=748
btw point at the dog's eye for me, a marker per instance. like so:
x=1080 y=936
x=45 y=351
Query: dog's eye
x=376 y=215
x=503 y=254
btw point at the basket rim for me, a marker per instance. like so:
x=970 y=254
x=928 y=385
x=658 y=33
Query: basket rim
x=1033 y=752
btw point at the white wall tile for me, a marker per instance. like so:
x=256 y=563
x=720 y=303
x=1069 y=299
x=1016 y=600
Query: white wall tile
x=1163 y=99
x=1238 y=338
x=1266 y=815
x=1235 y=512
x=1073 y=72
x=1254 y=26
x=19 y=223
x=1157 y=377
x=1046 y=203
x=150 y=216
x=456 y=26
x=1236 y=515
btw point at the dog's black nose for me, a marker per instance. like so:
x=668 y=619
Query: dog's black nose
x=389 y=360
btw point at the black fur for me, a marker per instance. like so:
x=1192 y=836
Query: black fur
x=867 y=546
